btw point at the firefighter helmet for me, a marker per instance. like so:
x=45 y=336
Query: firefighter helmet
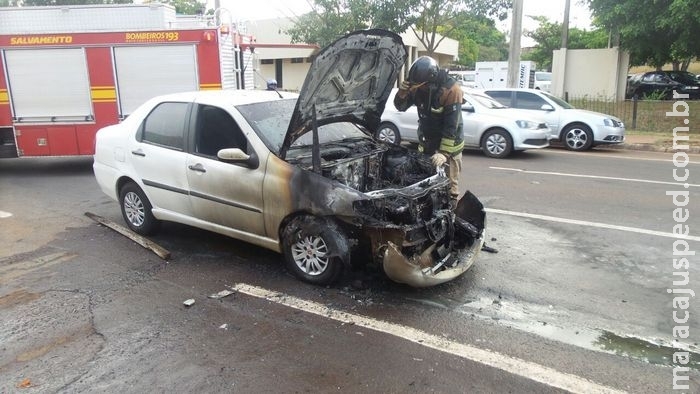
x=424 y=69
x=271 y=84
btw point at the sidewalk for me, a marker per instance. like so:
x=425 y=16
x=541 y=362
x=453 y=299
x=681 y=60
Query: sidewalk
x=654 y=143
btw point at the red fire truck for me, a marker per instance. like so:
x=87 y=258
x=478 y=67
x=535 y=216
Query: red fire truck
x=57 y=90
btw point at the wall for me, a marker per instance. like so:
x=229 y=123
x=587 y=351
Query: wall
x=595 y=73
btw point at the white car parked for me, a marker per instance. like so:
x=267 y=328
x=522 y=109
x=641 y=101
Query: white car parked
x=543 y=81
x=488 y=125
x=578 y=129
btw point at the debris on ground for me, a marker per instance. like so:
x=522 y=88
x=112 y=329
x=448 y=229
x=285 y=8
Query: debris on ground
x=143 y=241
x=489 y=249
x=25 y=384
x=189 y=302
x=221 y=294
x=224 y=326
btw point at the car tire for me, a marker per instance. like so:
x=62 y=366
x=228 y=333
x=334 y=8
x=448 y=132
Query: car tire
x=312 y=249
x=388 y=133
x=497 y=143
x=577 y=137
x=136 y=210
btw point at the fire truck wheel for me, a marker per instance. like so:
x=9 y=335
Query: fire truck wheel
x=136 y=210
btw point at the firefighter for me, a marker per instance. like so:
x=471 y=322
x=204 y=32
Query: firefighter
x=271 y=84
x=438 y=99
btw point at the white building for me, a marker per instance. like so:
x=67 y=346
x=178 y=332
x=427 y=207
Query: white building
x=288 y=63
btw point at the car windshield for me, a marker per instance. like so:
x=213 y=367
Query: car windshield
x=543 y=76
x=558 y=101
x=270 y=120
x=683 y=77
x=484 y=100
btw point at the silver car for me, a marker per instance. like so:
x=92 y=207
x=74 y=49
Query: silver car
x=488 y=125
x=298 y=174
x=577 y=129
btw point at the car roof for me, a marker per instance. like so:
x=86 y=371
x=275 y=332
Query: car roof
x=538 y=91
x=228 y=96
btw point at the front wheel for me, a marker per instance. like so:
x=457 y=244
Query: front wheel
x=313 y=250
x=136 y=210
x=497 y=144
x=388 y=133
x=577 y=137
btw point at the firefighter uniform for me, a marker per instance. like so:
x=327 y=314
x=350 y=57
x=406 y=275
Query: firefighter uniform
x=439 y=107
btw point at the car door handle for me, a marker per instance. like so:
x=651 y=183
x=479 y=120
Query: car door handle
x=197 y=167
x=138 y=152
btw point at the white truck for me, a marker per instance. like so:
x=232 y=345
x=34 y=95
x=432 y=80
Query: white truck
x=495 y=75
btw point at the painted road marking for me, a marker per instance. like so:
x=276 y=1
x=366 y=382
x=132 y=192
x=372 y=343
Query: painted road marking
x=592 y=224
x=515 y=366
x=681 y=184
x=606 y=156
x=4 y=214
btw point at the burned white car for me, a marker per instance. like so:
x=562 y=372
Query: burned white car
x=298 y=174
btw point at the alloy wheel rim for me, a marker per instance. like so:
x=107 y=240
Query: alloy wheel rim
x=310 y=254
x=134 y=209
x=576 y=138
x=496 y=144
x=387 y=135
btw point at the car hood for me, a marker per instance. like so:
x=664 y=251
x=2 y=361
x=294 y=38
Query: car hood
x=590 y=114
x=349 y=80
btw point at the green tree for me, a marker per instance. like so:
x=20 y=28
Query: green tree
x=655 y=32
x=548 y=38
x=438 y=20
x=479 y=39
x=331 y=19
x=428 y=19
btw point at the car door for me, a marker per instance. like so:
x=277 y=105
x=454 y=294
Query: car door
x=223 y=193
x=158 y=156
x=534 y=102
x=470 y=123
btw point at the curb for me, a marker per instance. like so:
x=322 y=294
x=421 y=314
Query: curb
x=650 y=148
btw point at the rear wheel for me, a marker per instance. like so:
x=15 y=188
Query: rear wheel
x=136 y=210
x=577 y=137
x=312 y=250
x=497 y=143
x=388 y=133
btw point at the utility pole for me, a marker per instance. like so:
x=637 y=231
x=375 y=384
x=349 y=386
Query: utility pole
x=516 y=31
x=565 y=26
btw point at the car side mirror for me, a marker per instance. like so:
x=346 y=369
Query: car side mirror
x=467 y=107
x=546 y=107
x=237 y=156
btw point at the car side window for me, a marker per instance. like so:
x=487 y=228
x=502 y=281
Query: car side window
x=527 y=100
x=217 y=130
x=165 y=125
x=502 y=97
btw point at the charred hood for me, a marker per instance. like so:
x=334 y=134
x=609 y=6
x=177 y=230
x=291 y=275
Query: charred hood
x=349 y=81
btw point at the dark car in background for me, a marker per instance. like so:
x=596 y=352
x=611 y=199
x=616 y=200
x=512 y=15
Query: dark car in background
x=661 y=84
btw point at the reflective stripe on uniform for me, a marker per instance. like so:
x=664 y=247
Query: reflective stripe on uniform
x=451 y=146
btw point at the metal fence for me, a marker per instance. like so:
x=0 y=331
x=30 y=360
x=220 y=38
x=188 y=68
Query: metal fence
x=643 y=115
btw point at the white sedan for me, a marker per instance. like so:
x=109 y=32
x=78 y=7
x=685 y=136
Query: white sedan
x=488 y=125
x=298 y=174
x=578 y=129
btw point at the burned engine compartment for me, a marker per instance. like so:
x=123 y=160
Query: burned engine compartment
x=401 y=184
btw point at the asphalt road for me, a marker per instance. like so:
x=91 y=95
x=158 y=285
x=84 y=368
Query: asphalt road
x=574 y=300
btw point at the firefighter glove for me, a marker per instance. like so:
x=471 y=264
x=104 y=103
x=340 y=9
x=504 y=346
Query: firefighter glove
x=438 y=159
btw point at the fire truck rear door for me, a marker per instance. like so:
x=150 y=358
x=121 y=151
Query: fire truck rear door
x=143 y=72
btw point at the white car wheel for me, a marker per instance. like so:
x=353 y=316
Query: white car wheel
x=578 y=137
x=388 y=133
x=497 y=143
